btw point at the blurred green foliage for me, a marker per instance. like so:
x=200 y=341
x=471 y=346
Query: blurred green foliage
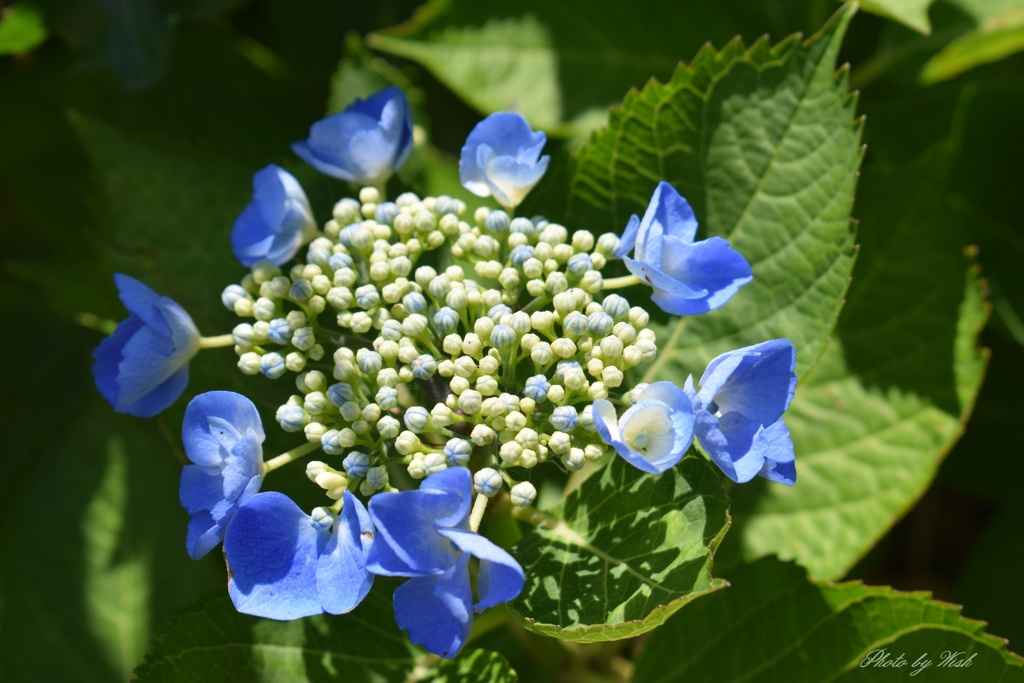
x=130 y=131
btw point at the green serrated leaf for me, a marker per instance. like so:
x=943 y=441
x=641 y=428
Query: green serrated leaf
x=622 y=553
x=912 y=13
x=774 y=624
x=475 y=666
x=871 y=426
x=764 y=145
x=210 y=636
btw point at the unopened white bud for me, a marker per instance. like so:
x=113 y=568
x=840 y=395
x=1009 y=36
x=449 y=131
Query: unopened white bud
x=523 y=494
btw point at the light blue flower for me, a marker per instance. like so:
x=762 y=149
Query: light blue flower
x=739 y=408
x=222 y=434
x=501 y=158
x=276 y=222
x=654 y=433
x=143 y=366
x=284 y=564
x=364 y=144
x=425 y=535
x=688 y=277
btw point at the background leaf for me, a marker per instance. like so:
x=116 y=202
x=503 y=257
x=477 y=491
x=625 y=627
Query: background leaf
x=622 y=552
x=773 y=624
x=764 y=146
x=894 y=389
x=912 y=13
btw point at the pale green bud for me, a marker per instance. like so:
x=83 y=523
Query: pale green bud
x=264 y=309
x=392 y=293
x=528 y=438
x=529 y=341
x=345 y=277
x=634 y=394
x=593 y=452
x=369 y=195
x=625 y=332
x=388 y=427
x=350 y=411
x=315 y=468
x=562 y=253
x=523 y=494
x=313 y=380
x=574 y=379
x=489 y=365
x=533 y=268
x=263 y=271
x=510 y=452
x=597 y=390
x=556 y=393
x=471 y=344
x=424 y=276
x=541 y=354
x=333 y=483
x=487 y=385
x=483 y=327
x=508 y=278
x=487 y=269
x=592 y=281
x=631 y=356
x=441 y=415
x=582 y=240
x=407 y=443
x=515 y=421
x=611 y=349
x=376 y=479
x=313 y=432
x=564 y=302
x=535 y=287
x=371 y=412
x=595 y=367
x=434 y=462
x=487 y=482
x=407 y=353
x=249 y=363
x=243 y=308
x=449 y=225
x=446 y=368
x=611 y=376
x=388 y=351
x=416 y=469
x=563 y=347
x=560 y=443
x=315 y=403
x=556 y=283
x=527 y=405
x=388 y=377
x=492 y=407
x=459 y=385
x=452 y=344
x=469 y=401
x=457 y=298
x=465 y=367
x=482 y=435
x=574 y=459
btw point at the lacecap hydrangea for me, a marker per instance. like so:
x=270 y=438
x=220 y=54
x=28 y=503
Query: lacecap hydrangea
x=416 y=338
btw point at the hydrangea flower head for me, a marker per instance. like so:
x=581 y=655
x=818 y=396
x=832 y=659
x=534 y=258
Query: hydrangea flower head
x=425 y=535
x=365 y=143
x=654 y=433
x=284 y=564
x=688 y=277
x=501 y=158
x=739 y=407
x=143 y=366
x=222 y=434
x=276 y=222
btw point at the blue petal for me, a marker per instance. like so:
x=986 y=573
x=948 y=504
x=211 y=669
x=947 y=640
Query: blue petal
x=142 y=301
x=200 y=436
x=200 y=489
x=435 y=610
x=251 y=237
x=207 y=524
x=501 y=578
x=406 y=531
x=271 y=548
x=757 y=381
x=306 y=153
x=779 y=459
x=731 y=442
x=341 y=576
x=107 y=357
x=628 y=239
x=672 y=211
x=455 y=482
x=507 y=134
x=711 y=265
x=241 y=465
x=509 y=179
x=159 y=398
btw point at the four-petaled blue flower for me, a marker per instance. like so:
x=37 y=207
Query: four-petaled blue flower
x=143 y=366
x=425 y=535
x=501 y=158
x=739 y=408
x=654 y=433
x=688 y=277
x=276 y=222
x=222 y=434
x=365 y=143
x=284 y=564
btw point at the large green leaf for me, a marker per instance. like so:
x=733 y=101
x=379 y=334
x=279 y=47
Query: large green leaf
x=212 y=636
x=622 y=552
x=893 y=391
x=773 y=624
x=93 y=552
x=364 y=645
x=764 y=145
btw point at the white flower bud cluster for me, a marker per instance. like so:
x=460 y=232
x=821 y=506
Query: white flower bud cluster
x=494 y=366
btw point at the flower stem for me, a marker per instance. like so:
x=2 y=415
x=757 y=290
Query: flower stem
x=619 y=282
x=285 y=458
x=215 y=342
x=477 y=515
